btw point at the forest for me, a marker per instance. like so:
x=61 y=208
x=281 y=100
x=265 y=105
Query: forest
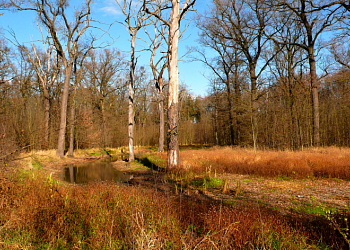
x=261 y=161
x=278 y=79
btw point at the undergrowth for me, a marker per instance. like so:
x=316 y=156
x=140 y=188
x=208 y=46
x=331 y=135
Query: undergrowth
x=38 y=212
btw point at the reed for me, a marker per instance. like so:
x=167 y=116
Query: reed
x=328 y=162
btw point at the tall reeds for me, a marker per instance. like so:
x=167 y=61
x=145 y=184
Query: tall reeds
x=329 y=162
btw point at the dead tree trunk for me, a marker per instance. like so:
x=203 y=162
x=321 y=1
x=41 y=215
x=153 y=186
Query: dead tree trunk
x=131 y=119
x=173 y=24
x=161 y=118
x=173 y=95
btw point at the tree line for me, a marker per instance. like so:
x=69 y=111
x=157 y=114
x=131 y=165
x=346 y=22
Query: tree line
x=278 y=73
x=274 y=71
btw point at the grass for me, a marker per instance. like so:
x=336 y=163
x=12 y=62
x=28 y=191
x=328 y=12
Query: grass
x=329 y=162
x=39 y=212
x=315 y=207
x=155 y=161
x=43 y=155
x=136 y=165
x=209 y=182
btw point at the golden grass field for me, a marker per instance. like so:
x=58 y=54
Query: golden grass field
x=331 y=162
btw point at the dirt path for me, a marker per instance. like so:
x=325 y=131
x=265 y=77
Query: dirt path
x=291 y=194
x=286 y=195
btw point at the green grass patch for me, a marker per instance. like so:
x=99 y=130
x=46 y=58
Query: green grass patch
x=136 y=165
x=153 y=148
x=310 y=209
x=101 y=152
x=337 y=180
x=94 y=153
x=209 y=182
x=230 y=202
x=284 y=177
x=37 y=165
x=315 y=208
x=152 y=161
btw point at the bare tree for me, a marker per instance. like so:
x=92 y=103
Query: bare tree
x=8 y=143
x=340 y=43
x=225 y=66
x=313 y=18
x=341 y=53
x=284 y=69
x=241 y=24
x=78 y=68
x=135 y=19
x=5 y=65
x=102 y=73
x=46 y=66
x=158 y=66
x=3 y=5
x=156 y=9
x=65 y=35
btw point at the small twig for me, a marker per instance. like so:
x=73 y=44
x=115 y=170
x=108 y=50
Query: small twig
x=110 y=235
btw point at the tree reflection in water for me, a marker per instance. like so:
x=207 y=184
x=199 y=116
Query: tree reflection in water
x=94 y=171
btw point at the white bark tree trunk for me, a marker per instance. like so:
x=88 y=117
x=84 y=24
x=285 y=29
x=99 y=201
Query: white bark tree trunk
x=173 y=94
x=131 y=120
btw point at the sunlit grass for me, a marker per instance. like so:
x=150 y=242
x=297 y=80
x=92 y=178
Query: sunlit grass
x=39 y=212
x=42 y=213
x=329 y=162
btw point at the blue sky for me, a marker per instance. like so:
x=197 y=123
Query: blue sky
x=190 y=73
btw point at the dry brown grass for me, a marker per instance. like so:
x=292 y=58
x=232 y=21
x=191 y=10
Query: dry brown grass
x=37 y=212
x=328 y=162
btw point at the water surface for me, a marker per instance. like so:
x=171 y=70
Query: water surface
x=94 y=171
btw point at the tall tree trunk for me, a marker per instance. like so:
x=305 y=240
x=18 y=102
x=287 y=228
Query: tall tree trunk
x=47 y=104
x=131 y=119
x=216 y=117
x=237 y=99
x=290 y=104
x=173 y=94
x=70 y=152
x=253 y=106
x=104 y=123
x=231 y=115
x=315 y=100
x=161 y=118
x=291 y=119
x=63 y=122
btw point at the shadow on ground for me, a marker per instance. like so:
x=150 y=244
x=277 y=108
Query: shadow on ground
x=147 y=163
